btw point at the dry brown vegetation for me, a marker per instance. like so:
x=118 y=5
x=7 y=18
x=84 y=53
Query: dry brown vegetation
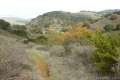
x=40 y=64
x=75 y=32
x=14 y=64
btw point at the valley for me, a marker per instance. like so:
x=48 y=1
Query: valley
x=61 y=45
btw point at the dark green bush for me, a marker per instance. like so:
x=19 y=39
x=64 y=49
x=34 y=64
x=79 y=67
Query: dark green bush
x=40 y=40
x=117 y=12
x=117 y=27
x=19 y=30
x=108 y=27
x=4 y=25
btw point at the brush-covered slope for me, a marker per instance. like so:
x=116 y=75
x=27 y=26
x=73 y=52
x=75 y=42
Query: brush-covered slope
x=59 y=20
x=112 y=19
x=62 y=19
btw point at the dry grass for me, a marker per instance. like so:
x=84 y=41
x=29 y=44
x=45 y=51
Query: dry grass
x=14 y=63
x=41 y=65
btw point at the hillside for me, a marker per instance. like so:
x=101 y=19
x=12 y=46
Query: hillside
x=13 y=57
x=62 y=46
x=108 y=12
x=60 y=20
x=15 y=60
x=112 y=19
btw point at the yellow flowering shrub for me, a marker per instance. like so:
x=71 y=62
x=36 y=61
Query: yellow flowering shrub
x=72 y=33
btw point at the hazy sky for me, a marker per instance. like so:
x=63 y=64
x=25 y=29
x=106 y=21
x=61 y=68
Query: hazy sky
x=33 y=8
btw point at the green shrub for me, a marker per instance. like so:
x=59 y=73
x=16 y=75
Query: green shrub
x=117 y=12
x=4 y=25
x=19 y=30
x=40 y=40
x=117 y=27
x=116 y=37
x=108 y=27
x=105 y=55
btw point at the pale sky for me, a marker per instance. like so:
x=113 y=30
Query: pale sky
x=32 y=8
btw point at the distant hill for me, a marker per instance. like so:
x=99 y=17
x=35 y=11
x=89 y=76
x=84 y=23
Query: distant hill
x=14 y=20
x=111 y=19
x=108 y=12
x=89 y=14
x=61 y=19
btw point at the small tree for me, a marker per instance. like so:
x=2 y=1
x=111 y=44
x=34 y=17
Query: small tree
x=19 y=30
x=4 y=25
x=108 y=27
